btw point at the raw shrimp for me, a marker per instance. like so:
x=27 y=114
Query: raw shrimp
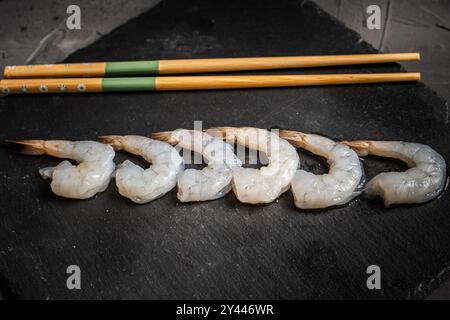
x=424 y=180
x=266 y=184
x=213 y=181
x=83 y=181
x=341 y=184
x=137 y=184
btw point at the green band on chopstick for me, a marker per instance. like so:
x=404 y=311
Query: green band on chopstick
x=137 y=68
x=128 y=84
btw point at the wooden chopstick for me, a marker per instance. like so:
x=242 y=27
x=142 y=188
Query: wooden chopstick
x=155 y=67
x=80 y=85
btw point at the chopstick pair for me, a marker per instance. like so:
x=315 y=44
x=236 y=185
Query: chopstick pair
x=103 y=76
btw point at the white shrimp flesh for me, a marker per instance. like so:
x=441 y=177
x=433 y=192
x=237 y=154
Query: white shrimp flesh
x=424 y=181
x=214 y=180
x=266 y=184
x=82 y=181
x=340 y=185
x=139 y=185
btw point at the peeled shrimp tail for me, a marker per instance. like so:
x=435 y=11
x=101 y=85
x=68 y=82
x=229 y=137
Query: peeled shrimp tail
x=297 y=139
x=29 y=147
x=390 y=149
x=379 y=148
x=40 y=147
x=165 y=136
x=113 y=140
x=362 y=148
x=225 y=133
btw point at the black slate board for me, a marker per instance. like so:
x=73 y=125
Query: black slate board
x=222 y=249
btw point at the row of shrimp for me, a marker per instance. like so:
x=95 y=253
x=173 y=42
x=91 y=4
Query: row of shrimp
x=423 y=181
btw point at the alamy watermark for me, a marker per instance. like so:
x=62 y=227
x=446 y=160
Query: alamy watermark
x=374 y=280
x=74 y=280
x=73 y=21
x=373 y=21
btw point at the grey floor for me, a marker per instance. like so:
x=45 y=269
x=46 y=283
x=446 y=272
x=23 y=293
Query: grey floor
x=35 y=32
x=407 y=26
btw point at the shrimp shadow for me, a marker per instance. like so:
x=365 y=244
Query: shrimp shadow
x=325 y=211
x=231 y=201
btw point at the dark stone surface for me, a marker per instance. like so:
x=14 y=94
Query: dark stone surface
x=222 y=249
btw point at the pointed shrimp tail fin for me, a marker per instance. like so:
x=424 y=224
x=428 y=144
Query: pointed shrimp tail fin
x=29 y=147
x=225 y=133
x=297 y=139
x=361 y=147
x=165 y=136
x=114 y=141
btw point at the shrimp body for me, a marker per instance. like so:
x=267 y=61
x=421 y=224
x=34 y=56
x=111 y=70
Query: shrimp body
x=341 y=184
x=90 y=176
x=213 y=181
x=266 y=184
x=424 y=181
x=139 y=185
